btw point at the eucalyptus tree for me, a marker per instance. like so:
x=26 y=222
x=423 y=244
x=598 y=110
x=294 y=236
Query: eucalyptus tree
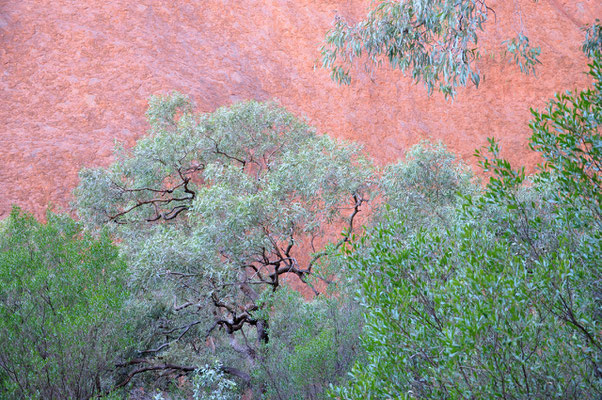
x=436 y=40
x=216 y=211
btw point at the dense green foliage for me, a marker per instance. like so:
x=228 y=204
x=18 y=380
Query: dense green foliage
x=61 y=295
x=313 y=344
x=503 y=303
x=467 y=292
x=435 y=40
x=567 y=135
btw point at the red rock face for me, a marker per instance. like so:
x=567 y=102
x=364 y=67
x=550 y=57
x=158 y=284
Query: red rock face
x=75 y=76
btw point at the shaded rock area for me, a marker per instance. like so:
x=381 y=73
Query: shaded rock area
x=76 y=75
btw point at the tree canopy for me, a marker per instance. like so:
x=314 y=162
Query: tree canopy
x=212 y=210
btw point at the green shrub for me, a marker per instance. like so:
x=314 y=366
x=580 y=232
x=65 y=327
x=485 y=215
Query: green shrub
x=61 y=295
x=312 y=345
x=504 y=302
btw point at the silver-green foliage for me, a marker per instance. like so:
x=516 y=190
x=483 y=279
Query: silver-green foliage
x=211 y=383
x=593 y=39
x=522 y=53
x=436 y=41
x=213 y=208
x=426 y=187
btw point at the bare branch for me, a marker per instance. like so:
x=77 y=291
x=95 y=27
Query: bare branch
x=185 y=328
x=135 y=372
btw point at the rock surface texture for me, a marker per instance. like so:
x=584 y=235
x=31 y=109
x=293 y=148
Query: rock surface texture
x=76 y=75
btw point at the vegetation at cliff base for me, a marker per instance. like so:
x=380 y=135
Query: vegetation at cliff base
x=502 y=298
x=242 y=254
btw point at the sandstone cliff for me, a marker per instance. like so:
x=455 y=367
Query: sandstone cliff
x=75 y=76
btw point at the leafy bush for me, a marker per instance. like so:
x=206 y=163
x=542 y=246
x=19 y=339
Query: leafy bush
x=312 y=345
x=503 y=303
x=211 y=383
x=61 y=295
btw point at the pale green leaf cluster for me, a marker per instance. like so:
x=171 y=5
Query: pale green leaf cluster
x=593 y=39
x=426 y=187
x=522 y=53
x=436 y=41
x=210 y=383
